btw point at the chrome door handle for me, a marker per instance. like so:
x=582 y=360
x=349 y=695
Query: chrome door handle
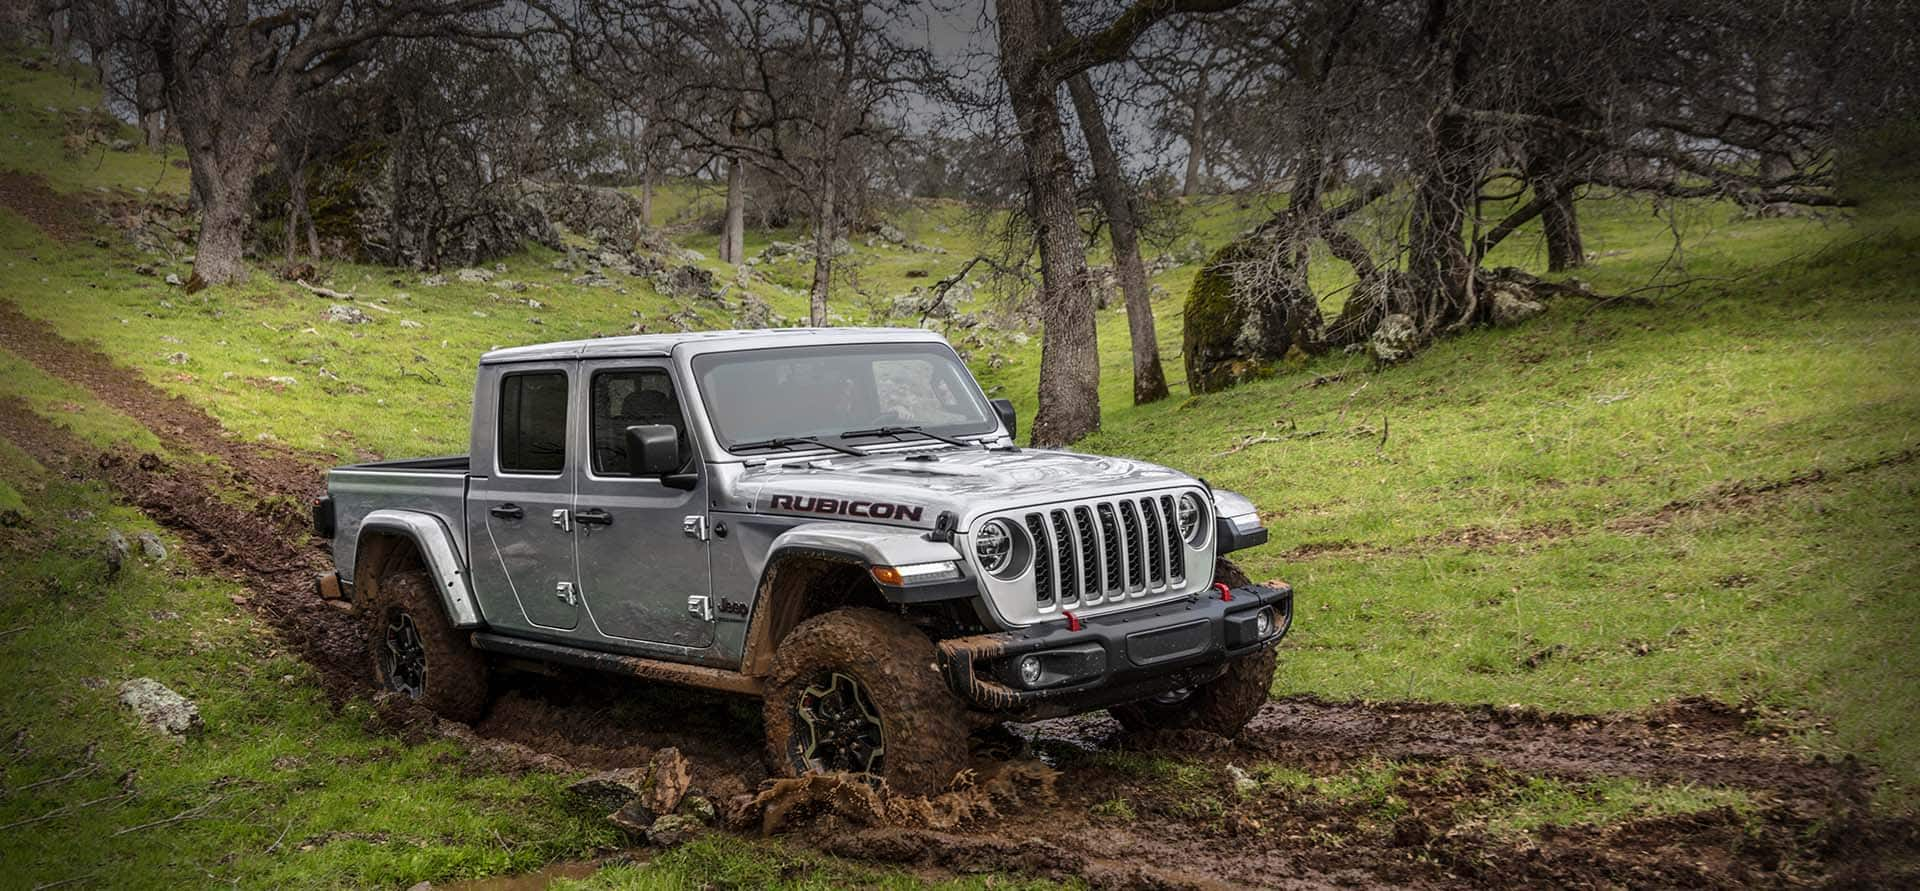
x=563 y=520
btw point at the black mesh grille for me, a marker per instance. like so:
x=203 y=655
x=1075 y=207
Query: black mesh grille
x=1110 y=546
x=1130 y=526
x=1176 y=562
x=1042 y=560
x=1156 y=555
x=1063 y=545
x=1089 y=551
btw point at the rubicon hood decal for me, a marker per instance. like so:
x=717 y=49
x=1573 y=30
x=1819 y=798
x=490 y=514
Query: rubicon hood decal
x=878 y=510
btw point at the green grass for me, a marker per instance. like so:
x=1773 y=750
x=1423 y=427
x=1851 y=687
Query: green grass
x=1540 y=802
x=280 y=790
x=36 y=108
x=725 y=864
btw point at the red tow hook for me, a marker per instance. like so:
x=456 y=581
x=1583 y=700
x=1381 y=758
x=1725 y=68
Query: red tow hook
x=1073 y=621
x=1226 y=593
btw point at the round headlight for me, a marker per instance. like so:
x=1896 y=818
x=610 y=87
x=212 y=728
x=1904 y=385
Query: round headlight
x=1192 y=516
x=996 y=547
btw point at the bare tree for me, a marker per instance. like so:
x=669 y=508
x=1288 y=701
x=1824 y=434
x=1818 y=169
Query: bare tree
x=1034 y=61
x=231 y=70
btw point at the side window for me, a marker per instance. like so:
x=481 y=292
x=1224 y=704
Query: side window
x=533 y=422
x=635 y=398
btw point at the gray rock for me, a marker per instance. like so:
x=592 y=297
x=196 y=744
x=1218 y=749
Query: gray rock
x=177 y=358
x=151 y=547
x=345 y=315
x=699 y=808
x=433 y=281
x=173 y=279
x=160 y=708
x=1513 y=305
x=1395 y=339
x=473 y=276
x=890 y=234
x=635 y=818
x=673 y=829
x=115 y=551
x=409 y=323
x=609 y=789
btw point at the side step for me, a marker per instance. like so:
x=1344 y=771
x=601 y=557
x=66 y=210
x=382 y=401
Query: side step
x=614 y=663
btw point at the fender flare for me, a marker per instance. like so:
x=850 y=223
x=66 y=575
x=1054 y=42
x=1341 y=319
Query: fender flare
x=867 y=546
x=845 y=544
x=435 y=545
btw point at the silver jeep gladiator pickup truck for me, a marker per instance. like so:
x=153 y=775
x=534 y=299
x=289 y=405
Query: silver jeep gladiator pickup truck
x=837 y=521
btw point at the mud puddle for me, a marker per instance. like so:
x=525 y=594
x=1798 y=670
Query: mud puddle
x=1118 y=815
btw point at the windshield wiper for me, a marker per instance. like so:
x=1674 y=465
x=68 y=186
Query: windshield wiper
x=896 y=432
x=788 y=442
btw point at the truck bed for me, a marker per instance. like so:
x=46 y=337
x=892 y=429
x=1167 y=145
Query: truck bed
x=435 y=486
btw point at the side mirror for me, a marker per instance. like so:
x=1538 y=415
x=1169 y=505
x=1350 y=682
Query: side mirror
x=653 y=450
x=1004 y=408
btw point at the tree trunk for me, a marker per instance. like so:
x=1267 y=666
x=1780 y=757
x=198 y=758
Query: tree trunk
x=646 y=197
x=1149 y=381
x=297 y=211
x=1562 y=224
x=1196 y=139
x=152 y=111
x=220 y=254
x=58 y=33
x=733 y=235
x=1069 y=358
x=823 y=228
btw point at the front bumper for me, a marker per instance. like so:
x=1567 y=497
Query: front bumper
x=1115 y=658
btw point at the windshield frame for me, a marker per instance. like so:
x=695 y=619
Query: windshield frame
x=700 y=363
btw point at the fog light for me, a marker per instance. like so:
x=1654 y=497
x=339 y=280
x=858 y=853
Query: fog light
x=1263 y=623
x=1030 y=671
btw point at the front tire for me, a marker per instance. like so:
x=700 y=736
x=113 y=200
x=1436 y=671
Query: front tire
x=414 y=652
x=857 y=691
x=1223 y=705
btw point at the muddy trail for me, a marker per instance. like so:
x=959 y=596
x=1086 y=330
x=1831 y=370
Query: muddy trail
x=1072 y=798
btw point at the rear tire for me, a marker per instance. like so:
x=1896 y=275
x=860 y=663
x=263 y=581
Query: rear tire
x=858 y=691
x=1223 y=705
x=414 y=652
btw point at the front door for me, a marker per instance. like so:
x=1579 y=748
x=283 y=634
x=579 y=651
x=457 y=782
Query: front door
x=519 y=514
x=641 y=545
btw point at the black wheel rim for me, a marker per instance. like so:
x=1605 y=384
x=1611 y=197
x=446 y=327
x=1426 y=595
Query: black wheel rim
x=1173 y=697
x=403 y=658
x=836 y=728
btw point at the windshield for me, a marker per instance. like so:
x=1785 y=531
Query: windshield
x=826 y=391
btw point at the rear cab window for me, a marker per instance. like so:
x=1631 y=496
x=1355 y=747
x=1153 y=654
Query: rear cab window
x=532 y=433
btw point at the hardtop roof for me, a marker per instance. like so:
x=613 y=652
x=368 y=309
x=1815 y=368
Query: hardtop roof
x=702 y=341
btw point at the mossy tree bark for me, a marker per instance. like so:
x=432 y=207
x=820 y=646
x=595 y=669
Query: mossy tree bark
x=1149 y=380
x=1069 y=358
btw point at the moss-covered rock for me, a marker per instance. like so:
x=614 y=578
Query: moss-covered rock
x=1221 y=345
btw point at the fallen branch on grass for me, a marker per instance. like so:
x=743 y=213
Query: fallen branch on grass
x=188 y=814
x=346 y=296
x=64 y=810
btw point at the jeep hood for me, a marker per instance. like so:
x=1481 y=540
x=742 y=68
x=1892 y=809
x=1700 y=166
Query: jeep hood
x=966 y=481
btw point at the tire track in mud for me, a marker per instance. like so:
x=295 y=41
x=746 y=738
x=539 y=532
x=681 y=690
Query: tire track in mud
x=1814 y=822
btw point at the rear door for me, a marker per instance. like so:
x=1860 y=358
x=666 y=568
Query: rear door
x=520 y=513
x=641 y=546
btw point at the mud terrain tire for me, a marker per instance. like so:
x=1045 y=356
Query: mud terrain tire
x=922 y=725
x=404 y=613
x=1223 y=705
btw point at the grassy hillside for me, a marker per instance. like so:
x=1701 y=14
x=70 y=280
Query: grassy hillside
x=1706 y=489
